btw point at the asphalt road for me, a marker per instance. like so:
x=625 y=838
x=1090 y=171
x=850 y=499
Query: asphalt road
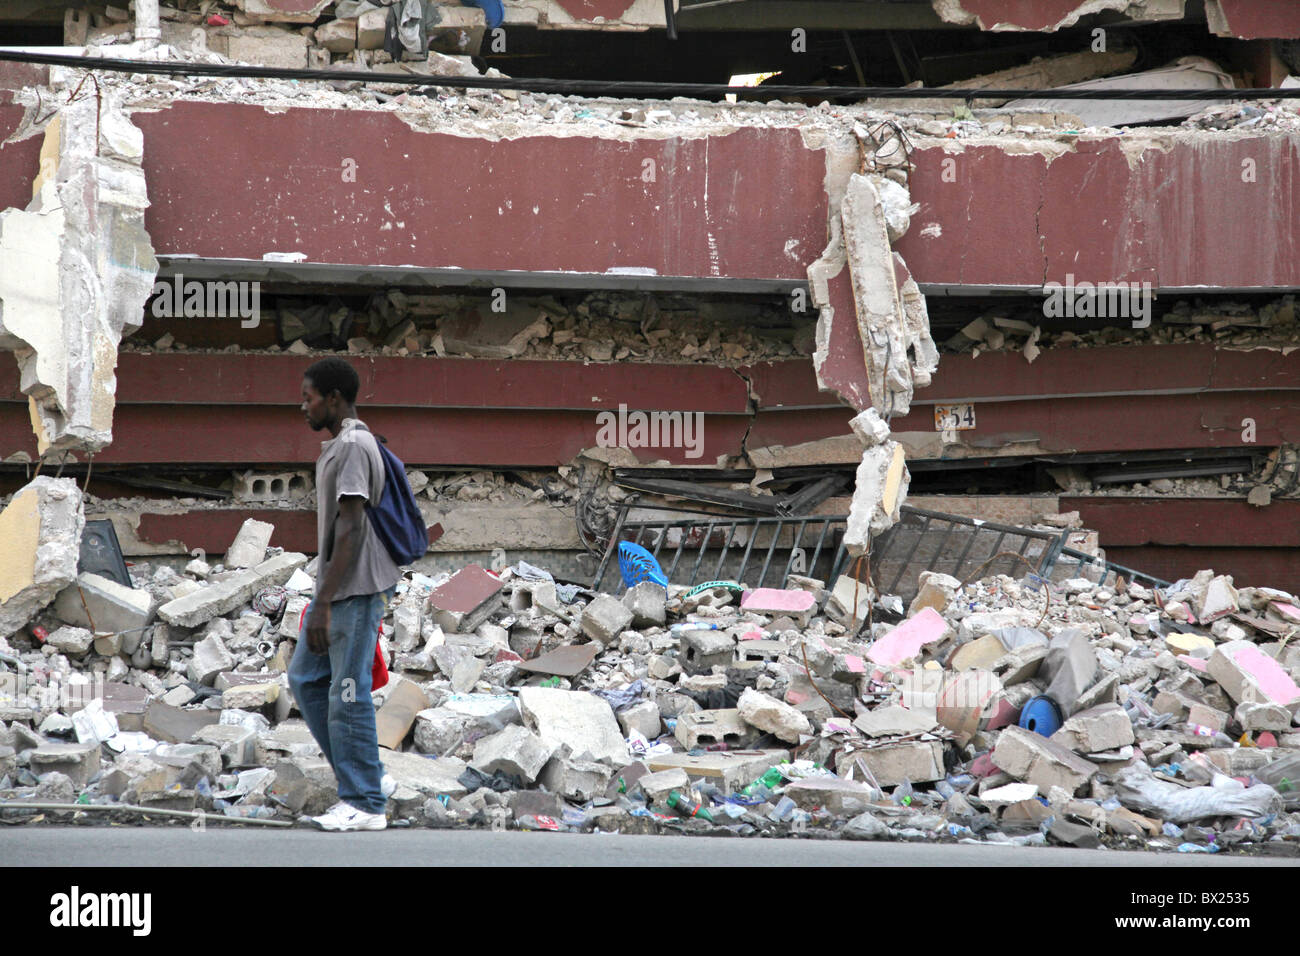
x=117 y=846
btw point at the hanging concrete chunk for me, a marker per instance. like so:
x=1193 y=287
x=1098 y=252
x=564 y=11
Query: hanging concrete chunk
x=79 y=267
x=40 y=543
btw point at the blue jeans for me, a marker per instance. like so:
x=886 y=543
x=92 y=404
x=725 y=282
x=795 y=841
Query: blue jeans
x=333 y=693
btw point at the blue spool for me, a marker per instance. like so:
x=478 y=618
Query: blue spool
x=637 y=565
x=1041 y=715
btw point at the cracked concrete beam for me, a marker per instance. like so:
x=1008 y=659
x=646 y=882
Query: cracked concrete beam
x=77 y=269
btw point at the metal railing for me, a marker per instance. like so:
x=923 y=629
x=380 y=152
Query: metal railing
x=750 y=549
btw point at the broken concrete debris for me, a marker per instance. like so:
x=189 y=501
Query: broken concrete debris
x=908 y=730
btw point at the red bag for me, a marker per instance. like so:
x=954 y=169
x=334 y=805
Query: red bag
x=378 y=669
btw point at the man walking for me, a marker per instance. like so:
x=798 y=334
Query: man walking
x=355 y=579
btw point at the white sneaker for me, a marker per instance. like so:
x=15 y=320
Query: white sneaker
x=342 y=817
x=387 y=786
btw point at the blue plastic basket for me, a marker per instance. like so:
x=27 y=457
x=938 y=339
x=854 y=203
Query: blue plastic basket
x=637 y=565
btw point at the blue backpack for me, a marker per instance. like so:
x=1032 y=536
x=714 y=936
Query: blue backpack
x=397 y=519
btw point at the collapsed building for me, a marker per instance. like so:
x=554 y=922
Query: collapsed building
x=872 y=346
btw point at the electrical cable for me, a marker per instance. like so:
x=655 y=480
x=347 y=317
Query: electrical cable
x=624 y=88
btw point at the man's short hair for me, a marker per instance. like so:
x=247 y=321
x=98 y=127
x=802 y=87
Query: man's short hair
x=333 y=374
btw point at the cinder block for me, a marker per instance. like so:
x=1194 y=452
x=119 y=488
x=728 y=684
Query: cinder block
x=703 y=650
x=605 y=618
x=708 y=727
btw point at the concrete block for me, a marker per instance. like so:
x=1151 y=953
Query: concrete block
x=250 y=544
x=1034 y=759
x=1258 y=716
x=906 y=640
x=431 y=777
x=836 y=794
x=703 y=650
x=248 y=691
x=604 y=619
x=40 y=542
x=370 y=29
x=709 y=727
x=895 y=721
x=402 y=702
x=515 y=751
x=111 y=606
x=78 y=762
x=1248 y=674
x=263 y=46
x=761 y=650
x=253 y=487
x=483 y=334
x=284 y=11
x=535 y=803
x=338 y=36
x=180 y=756
x=1205 y=715
x=920 y=761
x=211 y=657
x=464 y=718
x=658 y=785
x=1099 y=728
x=459 y=30
x=774 y=716
x=642 y=717
x=647 y=602
x=304 y=785
x=109 y=645
x=236 y=745
x=225 y=596
x=466 y=600
x=179 y=696
x=797 y=605
x=73 y=641
x=574 y=722
x=576 y=778
x=981 y=653
x=174 y=725
x=728 y=769
x=934 y=590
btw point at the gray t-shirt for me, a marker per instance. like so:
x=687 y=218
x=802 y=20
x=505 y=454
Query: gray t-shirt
x=351 y=465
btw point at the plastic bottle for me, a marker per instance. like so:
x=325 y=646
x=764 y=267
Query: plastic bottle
x=1218 y=736
x=769 y=780
x=686 y=807
x=783 y=810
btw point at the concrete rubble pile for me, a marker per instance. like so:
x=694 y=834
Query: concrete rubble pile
x=1093 y=716
x=600 y=327
x=1226 y=325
